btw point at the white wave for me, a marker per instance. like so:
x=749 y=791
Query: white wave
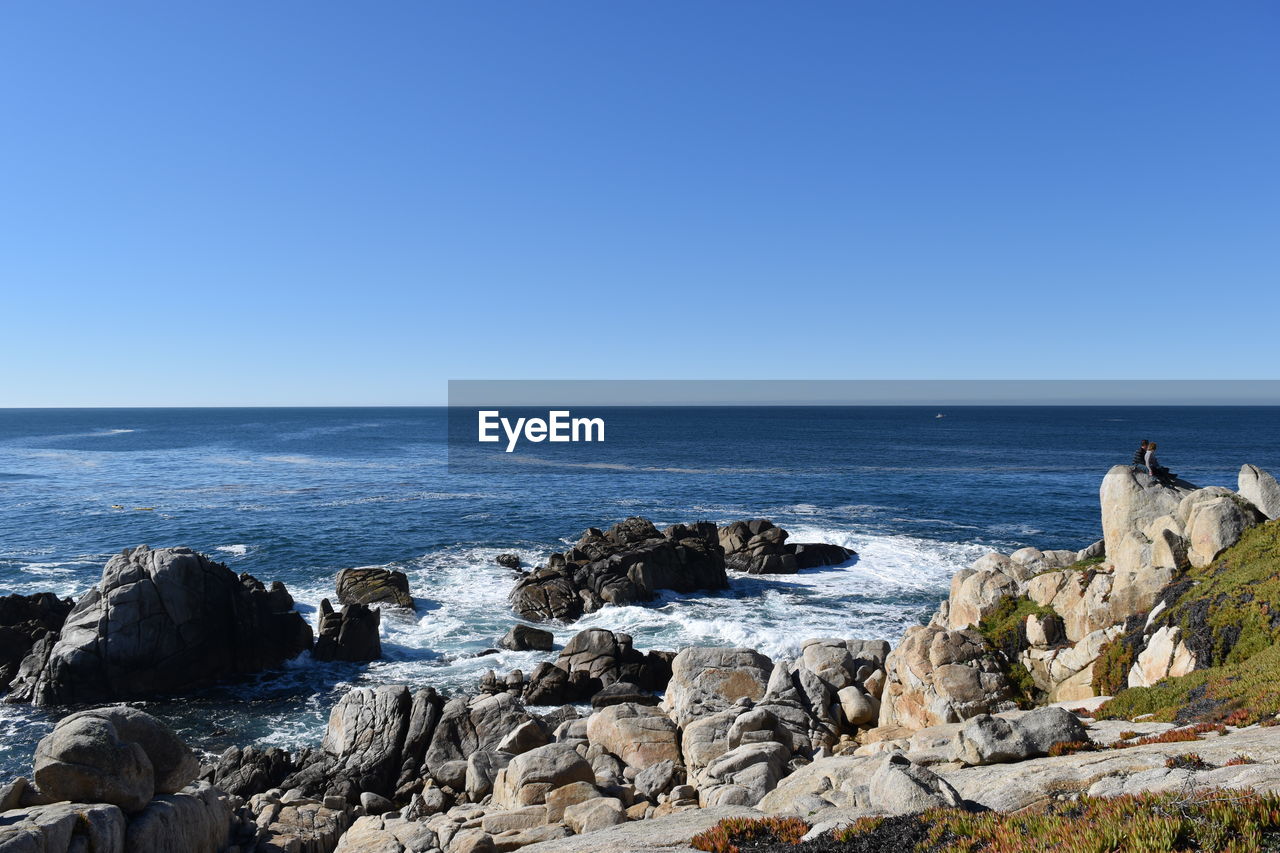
x=233 y=550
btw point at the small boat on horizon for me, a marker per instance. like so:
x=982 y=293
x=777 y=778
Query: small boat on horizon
x=939 y=415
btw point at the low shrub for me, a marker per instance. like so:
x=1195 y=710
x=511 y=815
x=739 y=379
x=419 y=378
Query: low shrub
x=1187 y=761
x=1241 y=822
x=726 y=835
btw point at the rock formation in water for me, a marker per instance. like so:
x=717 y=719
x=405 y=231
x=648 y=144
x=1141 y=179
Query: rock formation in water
x=159 y=622
x=632 y=561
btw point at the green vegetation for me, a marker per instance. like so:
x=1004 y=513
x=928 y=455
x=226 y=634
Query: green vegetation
x=1227 y=821
x=1005 y=629
x=1229 y=615
x=726 y=835
x=1111 y=670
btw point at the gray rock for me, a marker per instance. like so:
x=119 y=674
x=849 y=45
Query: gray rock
x=193 y=821
x=120 y=756
x=466 y=726
x=351 y=634
x=1260 y=489
x=898 y=787
x=742 y=776
x=594 y=815
x=162 y=621
x=482 y=769
x=994 y=740
x=374 y=586
x=530 y=734
x=621 y=692
x=61 y=827
x=658 y=779
x=709 y=679
x=628 y=563
x=529 y=777
x=375 y=804
x=523 y=638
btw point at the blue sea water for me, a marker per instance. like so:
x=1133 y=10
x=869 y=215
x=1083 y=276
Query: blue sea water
x=298 y=494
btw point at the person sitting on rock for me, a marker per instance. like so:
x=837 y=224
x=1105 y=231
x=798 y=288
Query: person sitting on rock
x=1155 y=469
x=1140 y=455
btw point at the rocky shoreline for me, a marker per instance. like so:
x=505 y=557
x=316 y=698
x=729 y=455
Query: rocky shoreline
x=1001 y=701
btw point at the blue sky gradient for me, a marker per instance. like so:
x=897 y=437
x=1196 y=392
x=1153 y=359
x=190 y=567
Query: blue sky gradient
x=247 y=203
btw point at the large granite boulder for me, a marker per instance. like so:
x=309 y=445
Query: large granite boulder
x=900 y=787
x=640 y=735
x=351 y=634
x=1260 y=489
x=1215 y=523
x=362 y=749
x=374 y=585
x=115 y=755
x=530 y=777
x=744 y=774
x=985 y=739
x=707 y=679
x=162 y=621
x=939 y=676
x=466 y=726
x=1131 y=500
x=627 y=564
x=24 y=620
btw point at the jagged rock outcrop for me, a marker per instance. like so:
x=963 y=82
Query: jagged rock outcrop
x=160 y=621
x=759 y=547
x=468 y=725
x=374 y=585
x=243 y=772
x=707 y=679
x=24 y=621
x=351 y=634
x=941 y=676
x=362 y=745
x=627 y=564
x=594 y=659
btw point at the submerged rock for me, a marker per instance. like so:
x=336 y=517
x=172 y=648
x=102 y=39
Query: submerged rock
x=161 y=621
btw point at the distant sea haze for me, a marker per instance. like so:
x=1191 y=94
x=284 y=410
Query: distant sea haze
x=297 y=494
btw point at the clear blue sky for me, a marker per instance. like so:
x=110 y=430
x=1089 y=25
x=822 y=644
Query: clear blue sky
x=321 y=202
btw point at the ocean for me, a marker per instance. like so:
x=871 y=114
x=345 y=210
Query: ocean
x=297 y=494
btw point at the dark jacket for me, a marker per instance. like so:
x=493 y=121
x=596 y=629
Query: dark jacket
x=1140 y=456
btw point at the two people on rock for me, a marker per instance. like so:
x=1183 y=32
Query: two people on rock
x=1145 y=457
